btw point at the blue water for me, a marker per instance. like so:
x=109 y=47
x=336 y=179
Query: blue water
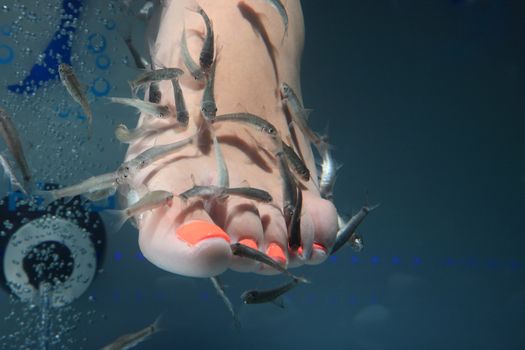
x=424 y=104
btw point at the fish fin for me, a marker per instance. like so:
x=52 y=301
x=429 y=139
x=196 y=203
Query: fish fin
x=114 y=219
x=279 y=302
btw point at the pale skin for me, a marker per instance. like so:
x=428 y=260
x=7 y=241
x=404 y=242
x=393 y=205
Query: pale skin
x=245 y=81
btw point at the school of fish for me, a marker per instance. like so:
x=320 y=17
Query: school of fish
x=291 y=166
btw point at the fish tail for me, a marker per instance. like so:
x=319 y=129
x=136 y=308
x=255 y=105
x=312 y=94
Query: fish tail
x=302 y=279
x=114 y=219
x=157 y=325
x=48 y=197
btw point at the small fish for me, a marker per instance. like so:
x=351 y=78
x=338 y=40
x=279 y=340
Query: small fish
x=99 y=195
x=215 y=192
x=251 y=119
x=220 y=290
x=143 y=106
x=300 y=115
x=296 y=162
x=266 y=296
x=223 y=177
x=140 y=62
x=180 y=105
x=250 y=193
x=289 y=189
x=294 y=230
x=278 y=5
x=76 y=91
x=208 y=105
x=8 y=170
x=155 y=76
x=124 y=135
x=328 y=174
x=10 y=136
x=150 y=201
x=131 y=340
x=195 y=70
x=93 y=184
x=345 y=232
x=208 y=47
x=244 y=251
x=153 y=154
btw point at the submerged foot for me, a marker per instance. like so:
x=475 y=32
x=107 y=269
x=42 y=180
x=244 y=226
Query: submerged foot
x=192 y=236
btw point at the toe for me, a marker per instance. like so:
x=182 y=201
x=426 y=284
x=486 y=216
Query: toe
x=243 y=225
x=324 y=219
x=275 y=237
x=195 y=248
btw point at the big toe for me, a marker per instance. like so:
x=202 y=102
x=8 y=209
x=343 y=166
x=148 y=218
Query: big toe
x=195 y=248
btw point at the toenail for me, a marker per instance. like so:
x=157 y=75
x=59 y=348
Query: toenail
x=249 y=242
x=320 y=248
x=197 y=230
x=276 y=253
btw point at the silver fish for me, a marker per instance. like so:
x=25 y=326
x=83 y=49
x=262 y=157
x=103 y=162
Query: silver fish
x=220 y=290
x=328 y=174
x=294 y=230
x=140 y=62
x=208 y=47
x=8 y=170
x=76 y=91
x=10 y=136
x=215 y=192
x=223 y=177
x=266 y=296
x=180 y=105
x=278 y=5
x=299 y=115
x=244 y=251
x=289 y=188
x=155 y=75
x=151 y=200
x=296 y=162
x=208 y=105
x=131 y=340
x=250 y=193
x=195 y=70
x=143 y=106
x=91 y=185
x=151 y=155
x=124 y=135
x=251 y=119
x=345 y=232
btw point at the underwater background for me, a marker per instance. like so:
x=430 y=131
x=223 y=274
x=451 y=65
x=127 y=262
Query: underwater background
x=424 y=102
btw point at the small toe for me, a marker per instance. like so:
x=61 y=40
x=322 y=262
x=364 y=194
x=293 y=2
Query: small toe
x=324 y=219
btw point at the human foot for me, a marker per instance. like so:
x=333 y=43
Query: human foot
x=193 y=237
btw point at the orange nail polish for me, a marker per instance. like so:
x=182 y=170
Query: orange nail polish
x=320 y=247
x=195 y=231
x=249 y=242
x=276 y=253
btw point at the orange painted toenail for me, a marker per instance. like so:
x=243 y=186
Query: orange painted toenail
x=276 y=253
x=195 y=231
x=319 y=246
x=300 y=250
x=249 y=242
